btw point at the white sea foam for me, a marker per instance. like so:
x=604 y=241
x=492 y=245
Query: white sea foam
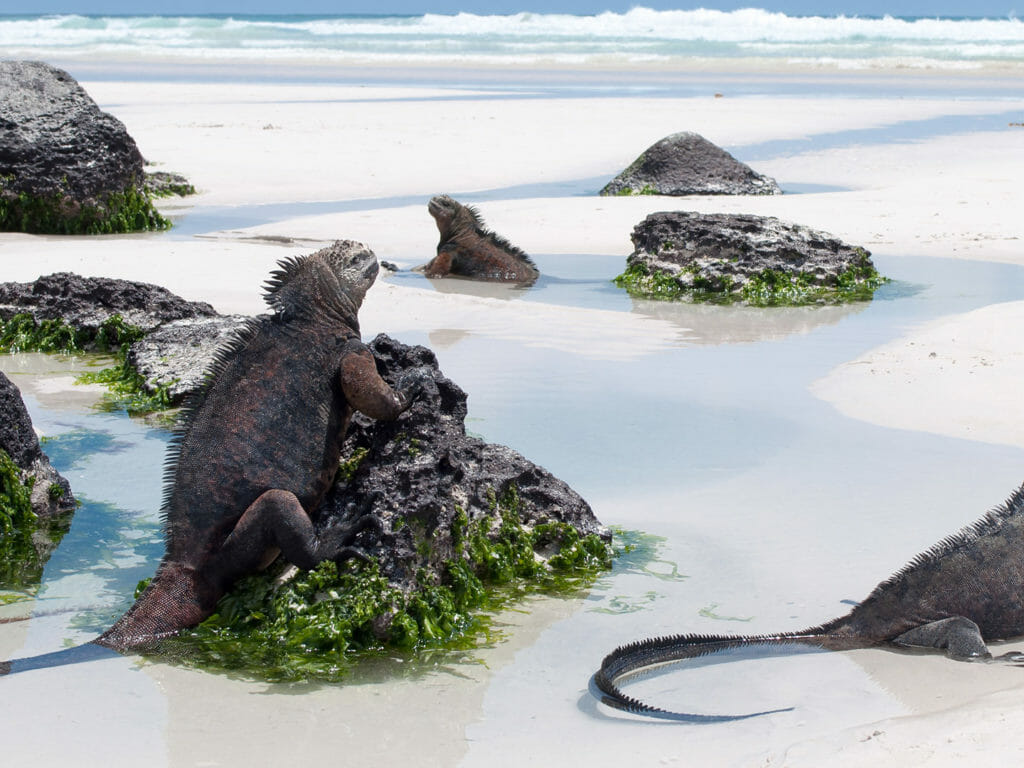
x=638 y=35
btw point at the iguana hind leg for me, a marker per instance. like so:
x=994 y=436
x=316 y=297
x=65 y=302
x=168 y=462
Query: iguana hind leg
x=276 y=520
x=958 y=636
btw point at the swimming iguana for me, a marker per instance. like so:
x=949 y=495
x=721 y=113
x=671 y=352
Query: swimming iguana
x=965 y=590
x=468 y=249
x=259 y=446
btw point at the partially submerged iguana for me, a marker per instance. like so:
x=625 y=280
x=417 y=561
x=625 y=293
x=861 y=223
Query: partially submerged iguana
x=965 y=590
x=259 y=446
x=468 y=249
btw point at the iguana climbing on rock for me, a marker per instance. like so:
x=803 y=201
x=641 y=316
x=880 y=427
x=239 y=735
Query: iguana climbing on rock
x=468 y=249
x=962 y=592
x=259 y=446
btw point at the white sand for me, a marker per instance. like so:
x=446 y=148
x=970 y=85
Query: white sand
x=242 y=145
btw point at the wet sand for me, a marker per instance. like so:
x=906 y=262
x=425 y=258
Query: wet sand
x=789 y=464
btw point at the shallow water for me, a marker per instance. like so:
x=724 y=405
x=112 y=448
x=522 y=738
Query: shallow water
x=773 y=512
x=773 y=509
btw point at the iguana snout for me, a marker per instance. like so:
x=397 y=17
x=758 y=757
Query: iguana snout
x=443 y=209
x=356 y=268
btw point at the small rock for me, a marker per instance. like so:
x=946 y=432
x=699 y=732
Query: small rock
x=178 y=355
x=18 y=439
x=66 y=167
x=738 y=257
x=87 y=302
x=419 y=470
x=689 y=164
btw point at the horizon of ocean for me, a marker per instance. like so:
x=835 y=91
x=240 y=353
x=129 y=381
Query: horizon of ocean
x=640 y=37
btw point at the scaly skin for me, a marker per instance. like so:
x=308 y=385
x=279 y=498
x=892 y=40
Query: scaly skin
x=468 y=249
x=259 y=447
x=962 y=592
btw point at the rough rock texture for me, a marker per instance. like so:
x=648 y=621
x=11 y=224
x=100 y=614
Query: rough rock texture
x=18 y=439
x=86 y=302
x=689 y=164
x=166 y=184
x=738 y=255
x=419 y=468
x=177 y=355
x=56 y=145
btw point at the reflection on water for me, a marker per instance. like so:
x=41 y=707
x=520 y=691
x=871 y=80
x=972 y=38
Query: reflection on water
x=739 y=324
x=585 y=281
x=115 y=467
x=569 y=280
x=770 y=506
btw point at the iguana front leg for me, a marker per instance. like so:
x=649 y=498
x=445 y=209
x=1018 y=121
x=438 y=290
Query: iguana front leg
x=958 y=636
x=368 y=393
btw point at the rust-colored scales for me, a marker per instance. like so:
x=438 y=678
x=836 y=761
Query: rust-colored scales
x=468 y=249
x=258 y=448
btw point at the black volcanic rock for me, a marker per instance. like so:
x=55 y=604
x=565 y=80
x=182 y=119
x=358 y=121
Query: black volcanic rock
x=418 y=472
x=18 y=440
x=176 y=356
x=66 y=167
x=36 y=503
x=689 y=164
x=87 y=302
x=740 y=257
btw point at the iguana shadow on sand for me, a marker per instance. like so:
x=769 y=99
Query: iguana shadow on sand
x=258 y=448
x=962 y=592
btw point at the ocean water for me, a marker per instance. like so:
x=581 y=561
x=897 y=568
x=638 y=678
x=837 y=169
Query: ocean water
x=639 y=37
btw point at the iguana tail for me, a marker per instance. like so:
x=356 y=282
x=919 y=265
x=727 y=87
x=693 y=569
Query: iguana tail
x=175 y=599
x=660 y=650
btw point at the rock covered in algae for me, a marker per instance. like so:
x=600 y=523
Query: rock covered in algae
x=66 y=167
x=36 y=502
x=176 y=356
x=462 y=526
x=757 y=260
x=424 y=477
x=86 y=305
x=688 y=164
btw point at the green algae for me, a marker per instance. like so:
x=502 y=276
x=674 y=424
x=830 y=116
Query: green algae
x=318 y=624
x=22 y=333
x=19 y=561
x=646 y=189
x=130 y=210
x=127 y=390
x=23 y=535
x=768 y=288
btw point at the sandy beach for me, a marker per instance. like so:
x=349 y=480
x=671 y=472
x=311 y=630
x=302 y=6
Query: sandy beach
x=870 y=432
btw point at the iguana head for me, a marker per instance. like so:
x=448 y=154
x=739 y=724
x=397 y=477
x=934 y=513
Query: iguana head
x=443 y=209
x=334 y=279
x=452 y=217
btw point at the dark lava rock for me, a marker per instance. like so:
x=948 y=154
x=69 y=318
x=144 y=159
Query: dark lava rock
x=65 y=165
x=417 y=472
x=36 y=503
x=737 y=257
x=689 y=164
x=87 y=302
x=177 y=355
x=18 y=439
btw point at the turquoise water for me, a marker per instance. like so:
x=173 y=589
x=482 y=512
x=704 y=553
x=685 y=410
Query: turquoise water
x=638 y=36
x=703 y=412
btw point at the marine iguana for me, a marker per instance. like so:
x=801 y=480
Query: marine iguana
x=963 y=591
x=468 y=249
x=258 y=447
